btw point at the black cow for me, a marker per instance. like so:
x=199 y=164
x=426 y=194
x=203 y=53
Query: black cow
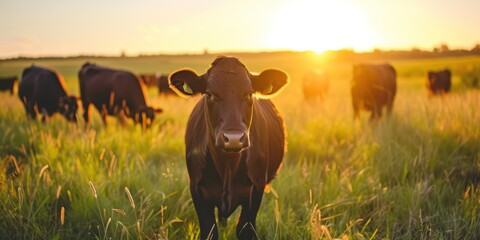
x=114 y=92
x=439 y=82
x=373 y=87
x=43 y=91
x=8 y=83
x=235 y=141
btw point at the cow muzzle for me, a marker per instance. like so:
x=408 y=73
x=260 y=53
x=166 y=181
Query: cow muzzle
x=232 y=141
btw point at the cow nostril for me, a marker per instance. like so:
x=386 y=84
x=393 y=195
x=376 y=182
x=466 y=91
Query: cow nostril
x=225 y=139
x=242 y=139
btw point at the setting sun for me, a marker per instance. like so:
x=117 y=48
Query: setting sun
x=321 y=26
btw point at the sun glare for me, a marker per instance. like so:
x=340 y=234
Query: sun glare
x=321 y=26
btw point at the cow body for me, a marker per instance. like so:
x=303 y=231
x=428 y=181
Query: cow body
x=373 y=87
x=43 y=91
x=439 y=82
x=114 y=92
x=8 y=83
x=315 y=85
x=235 y=143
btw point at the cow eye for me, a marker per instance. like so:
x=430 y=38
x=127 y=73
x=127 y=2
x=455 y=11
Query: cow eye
x=210 y=97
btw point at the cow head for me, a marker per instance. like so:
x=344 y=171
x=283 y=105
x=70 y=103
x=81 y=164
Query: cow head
x=68 y=106
x=145 y=115
x=229 y=92
x=432 y=78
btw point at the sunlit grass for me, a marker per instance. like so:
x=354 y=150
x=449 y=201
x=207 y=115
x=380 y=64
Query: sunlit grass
x=413 y=175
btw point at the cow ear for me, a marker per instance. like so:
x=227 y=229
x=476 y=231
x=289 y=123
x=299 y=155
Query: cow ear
x=186 y=83
x=269 y=82
x=158 y=110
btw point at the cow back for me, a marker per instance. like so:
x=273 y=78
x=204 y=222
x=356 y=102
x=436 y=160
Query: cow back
x=110 y=87
x=439 y=82
x=374 y=83
x=42 y=85
x=7 y=83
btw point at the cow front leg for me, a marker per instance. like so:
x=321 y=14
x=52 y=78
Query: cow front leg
x=390 y=107
x=206 y=216
x=376 y=114
x=31 y=110
x=246 y=227
x=45 y=115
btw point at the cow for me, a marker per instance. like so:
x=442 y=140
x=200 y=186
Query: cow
x=149 y=79
x=235 y=141
x=373 y=87
x=439 y=82
x=43 y=90
x=8 y=83
x=315 y=85
x=114 y=92
x=158 y=80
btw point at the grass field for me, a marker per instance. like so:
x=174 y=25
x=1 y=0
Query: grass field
x=414 y=175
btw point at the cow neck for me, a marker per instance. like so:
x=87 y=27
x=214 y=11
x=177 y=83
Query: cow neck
x=226 y=165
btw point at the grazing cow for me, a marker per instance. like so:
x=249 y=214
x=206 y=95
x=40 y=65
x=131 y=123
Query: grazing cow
x=114 y=92
x=373 y=87
x=8 y=83
x=158 y=80
x=150 y=80
x=439 y=82
x=43 y=91
x=315 y=85
x=235 y=141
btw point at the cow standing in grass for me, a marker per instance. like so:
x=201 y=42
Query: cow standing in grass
x=114 y=92
x=235 y=141
x=8 y=83
x=43 y=91
x=439 y=82
x=373 y=87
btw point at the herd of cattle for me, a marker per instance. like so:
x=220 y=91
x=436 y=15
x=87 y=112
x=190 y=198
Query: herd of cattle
x=121 y=93
x=235 y=142
x=373 y=87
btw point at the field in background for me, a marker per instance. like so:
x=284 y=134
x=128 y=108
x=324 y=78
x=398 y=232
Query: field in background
x=414 y=175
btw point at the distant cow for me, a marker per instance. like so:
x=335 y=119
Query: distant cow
x=158 y=80
x=149 y=79
x=439 y=82
x=114 y=92
x=373 y=87
x=235 y=142
x=43 y=91
x=8 y=83
x=315 y=85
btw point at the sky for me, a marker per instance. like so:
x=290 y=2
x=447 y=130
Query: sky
x=109 y=27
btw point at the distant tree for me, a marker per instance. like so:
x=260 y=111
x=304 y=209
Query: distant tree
x=476 y=49
x=444 y=48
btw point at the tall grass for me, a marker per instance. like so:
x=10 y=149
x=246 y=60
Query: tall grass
x=413 y=175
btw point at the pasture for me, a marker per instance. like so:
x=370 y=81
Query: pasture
x=414 y=175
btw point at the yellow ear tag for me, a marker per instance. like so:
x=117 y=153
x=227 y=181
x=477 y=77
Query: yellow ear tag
x=269 y=89
x=187 y=89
